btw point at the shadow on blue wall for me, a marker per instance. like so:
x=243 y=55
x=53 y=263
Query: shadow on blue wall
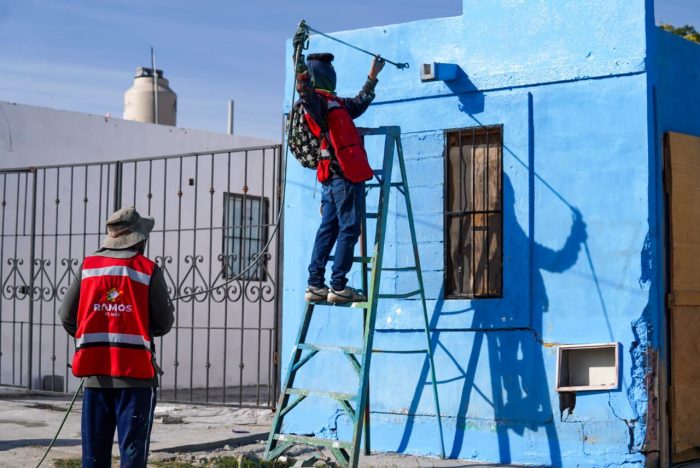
x=471 y=100
x=516 y=361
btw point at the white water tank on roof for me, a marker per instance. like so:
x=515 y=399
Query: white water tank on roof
x=139 y=99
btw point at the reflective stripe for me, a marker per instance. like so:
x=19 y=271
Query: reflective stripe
x=112 y=338
x=117 y=271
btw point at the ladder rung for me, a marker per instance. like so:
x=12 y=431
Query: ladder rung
x=375 y=130
x=318 y=393
x=408 y=268
x=371 y=215
x=313 y=441
x=400 y=351
x=352 y=305
x=354 y=259
x=377 y=185
x=342 y=349
x=400 y=296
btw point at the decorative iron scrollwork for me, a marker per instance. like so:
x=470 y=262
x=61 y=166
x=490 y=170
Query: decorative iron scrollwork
x=69 y=275
x=11 y=288
x=258 y=290
x=44 y=288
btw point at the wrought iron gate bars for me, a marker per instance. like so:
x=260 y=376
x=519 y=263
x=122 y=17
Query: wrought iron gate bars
x=45 y=284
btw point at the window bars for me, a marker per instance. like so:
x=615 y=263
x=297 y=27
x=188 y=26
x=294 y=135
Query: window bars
x=473 y=213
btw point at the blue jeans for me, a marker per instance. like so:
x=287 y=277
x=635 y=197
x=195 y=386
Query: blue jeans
x=130 y=412
x=342 y=208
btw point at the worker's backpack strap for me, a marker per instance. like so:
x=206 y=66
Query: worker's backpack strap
x=305 y=146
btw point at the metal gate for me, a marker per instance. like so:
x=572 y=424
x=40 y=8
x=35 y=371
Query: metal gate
x=214 y=213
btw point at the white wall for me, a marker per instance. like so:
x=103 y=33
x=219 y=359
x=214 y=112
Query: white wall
x=34 y=136
x=185 y=195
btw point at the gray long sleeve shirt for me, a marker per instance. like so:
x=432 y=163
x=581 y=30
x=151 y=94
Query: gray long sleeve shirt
x=161 y=315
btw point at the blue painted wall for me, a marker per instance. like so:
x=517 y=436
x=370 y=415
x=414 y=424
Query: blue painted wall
x=676 y=79
x=572 y=84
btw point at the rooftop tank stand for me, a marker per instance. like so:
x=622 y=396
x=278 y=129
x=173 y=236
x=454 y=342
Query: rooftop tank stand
x=141 y=99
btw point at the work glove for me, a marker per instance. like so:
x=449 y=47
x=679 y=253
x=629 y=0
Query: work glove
x=300 y=42
x=300 y=37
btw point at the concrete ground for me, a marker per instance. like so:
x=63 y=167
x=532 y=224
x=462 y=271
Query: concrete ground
x=183 y=435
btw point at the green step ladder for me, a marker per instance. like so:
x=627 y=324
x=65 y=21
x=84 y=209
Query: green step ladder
x=357 y=405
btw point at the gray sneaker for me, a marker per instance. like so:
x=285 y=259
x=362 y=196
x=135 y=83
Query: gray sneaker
x=345 y=295
x=314 y=294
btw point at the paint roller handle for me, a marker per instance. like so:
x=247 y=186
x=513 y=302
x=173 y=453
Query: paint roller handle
x=400 y=66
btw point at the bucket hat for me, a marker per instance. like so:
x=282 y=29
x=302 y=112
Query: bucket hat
x=126 y=228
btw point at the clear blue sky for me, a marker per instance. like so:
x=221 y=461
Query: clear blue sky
x=81 y=54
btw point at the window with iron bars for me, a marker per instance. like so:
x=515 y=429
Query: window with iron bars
x=474 y=213
x=244 y=234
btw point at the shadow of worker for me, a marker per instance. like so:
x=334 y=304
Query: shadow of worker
x=519 y=388
x=520 y=393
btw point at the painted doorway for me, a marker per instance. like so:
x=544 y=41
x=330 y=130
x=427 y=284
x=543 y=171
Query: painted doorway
x=682 y=153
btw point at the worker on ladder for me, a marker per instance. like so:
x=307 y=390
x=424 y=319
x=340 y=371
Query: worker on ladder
x=342 y=168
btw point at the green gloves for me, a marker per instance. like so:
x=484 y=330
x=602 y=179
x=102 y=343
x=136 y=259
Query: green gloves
x=300 y=42
x=301 y=36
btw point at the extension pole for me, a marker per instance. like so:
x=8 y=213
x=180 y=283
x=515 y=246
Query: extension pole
x=400 y=66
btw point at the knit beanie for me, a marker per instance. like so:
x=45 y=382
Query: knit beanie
x=322 y=71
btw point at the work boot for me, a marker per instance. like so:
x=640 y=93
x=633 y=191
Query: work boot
x=345 y=295
x=316 y=294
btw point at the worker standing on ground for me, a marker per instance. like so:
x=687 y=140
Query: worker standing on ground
x=117 y=305
x=342 y=168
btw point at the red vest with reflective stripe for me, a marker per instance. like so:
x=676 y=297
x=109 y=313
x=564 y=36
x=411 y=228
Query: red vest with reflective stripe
x=113 y=336
x=345 y=140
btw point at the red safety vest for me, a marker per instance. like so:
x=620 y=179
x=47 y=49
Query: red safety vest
x=343 y=137
x=113 y=336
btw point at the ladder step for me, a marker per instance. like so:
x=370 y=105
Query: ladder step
x=371 y=215
x=400 y=351
x=298 y=439
x=342 y=349
x=354 y=259
x=401 y=296
x=408 y=268
x=351 y=305
x=318 y=393
x=376 y=185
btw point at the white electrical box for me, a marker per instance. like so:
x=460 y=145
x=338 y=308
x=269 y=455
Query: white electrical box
x=588 y=367
x=436 y=71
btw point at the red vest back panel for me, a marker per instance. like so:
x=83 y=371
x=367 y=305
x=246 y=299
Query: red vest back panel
x=345 y=140
x=113 y=337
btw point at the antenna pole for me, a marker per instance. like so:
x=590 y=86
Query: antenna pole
x=229 y=126
x=155 y=85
